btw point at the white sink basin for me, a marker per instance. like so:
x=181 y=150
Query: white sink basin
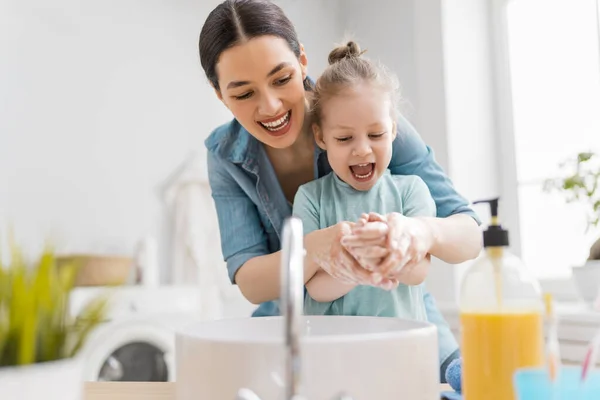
x=369 y=358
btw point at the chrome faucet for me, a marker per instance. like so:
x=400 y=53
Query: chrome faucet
x=292 y=302
x=291 y=306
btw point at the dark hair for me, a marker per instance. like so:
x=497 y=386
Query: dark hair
x=347 y=67
x=235 y=21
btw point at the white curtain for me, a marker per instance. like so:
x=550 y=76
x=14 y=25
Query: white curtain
x=196 y=249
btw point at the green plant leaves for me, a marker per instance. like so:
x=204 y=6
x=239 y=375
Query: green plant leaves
x=581 y=184
x=35 y=325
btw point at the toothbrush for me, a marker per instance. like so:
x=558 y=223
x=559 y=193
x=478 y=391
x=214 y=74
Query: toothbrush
x=553 y=348
x=590 y=357
x=592 y=351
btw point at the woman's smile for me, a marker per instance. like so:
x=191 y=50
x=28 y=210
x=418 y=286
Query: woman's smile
x=279 y=125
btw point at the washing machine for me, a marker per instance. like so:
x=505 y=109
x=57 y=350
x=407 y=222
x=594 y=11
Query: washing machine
x=137 y=349
x=136 y=343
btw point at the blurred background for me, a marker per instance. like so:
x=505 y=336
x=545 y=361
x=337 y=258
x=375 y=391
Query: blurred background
x=104 y=109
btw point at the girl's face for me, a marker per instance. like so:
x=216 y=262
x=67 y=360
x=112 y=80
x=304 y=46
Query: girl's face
x=261 y=82
x=357 y=132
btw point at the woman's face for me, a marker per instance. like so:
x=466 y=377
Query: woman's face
x=261 y=82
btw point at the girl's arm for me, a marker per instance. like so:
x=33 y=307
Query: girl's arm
x=323 y=287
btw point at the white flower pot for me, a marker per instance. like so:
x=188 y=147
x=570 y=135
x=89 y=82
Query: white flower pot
x=55 y=380
x=587 y=278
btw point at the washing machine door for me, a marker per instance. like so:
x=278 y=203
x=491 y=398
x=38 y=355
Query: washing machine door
x=135 y=351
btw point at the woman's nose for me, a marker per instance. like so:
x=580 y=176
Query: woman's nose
x=269 y=105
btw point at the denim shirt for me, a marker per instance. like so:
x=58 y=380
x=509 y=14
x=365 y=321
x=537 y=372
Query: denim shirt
x=251 y=206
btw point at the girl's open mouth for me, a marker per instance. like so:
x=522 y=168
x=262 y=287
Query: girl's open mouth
x=278 y=126
x=363 y=172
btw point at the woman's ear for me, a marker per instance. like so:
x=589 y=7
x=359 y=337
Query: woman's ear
x=220 y=96
x=303 y=62
x=318 y=136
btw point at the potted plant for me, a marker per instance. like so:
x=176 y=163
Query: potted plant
x=39 y=339
x=581 y=184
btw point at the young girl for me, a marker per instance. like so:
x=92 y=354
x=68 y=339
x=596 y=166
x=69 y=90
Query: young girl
x=354 y=114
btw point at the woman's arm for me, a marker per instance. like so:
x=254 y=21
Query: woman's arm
x=455 y=233
x=250 y=265
x=455 y=239
x=323 y=287
x=259 y=277
x=339 y=270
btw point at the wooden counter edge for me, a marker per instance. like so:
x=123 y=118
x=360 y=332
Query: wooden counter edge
x=140 y=390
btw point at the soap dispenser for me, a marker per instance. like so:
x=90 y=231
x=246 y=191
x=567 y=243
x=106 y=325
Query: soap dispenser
x=501 y=317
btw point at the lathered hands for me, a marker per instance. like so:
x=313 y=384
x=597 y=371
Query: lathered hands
x=389 y=246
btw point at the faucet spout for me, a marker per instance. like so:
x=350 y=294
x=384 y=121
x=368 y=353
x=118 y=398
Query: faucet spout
x=292 y=301
x=291 y=306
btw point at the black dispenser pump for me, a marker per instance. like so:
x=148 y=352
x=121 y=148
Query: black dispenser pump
x=494 y=235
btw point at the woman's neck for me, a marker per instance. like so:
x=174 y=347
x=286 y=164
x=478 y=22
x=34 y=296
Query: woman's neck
x=294 y=166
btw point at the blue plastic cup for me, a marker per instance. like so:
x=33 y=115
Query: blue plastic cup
x=534 y=384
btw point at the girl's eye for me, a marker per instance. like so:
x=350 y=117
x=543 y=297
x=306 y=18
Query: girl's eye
x=377 y=135
x=283 y=81
x=343 y=139
x=243 y=96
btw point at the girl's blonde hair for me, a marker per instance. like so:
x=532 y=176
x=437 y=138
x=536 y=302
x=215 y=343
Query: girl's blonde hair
x=348 y=68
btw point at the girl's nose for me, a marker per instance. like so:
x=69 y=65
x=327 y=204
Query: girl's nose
x=362 y=148
x=269 y=105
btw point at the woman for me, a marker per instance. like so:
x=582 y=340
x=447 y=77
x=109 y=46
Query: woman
x=253 y=59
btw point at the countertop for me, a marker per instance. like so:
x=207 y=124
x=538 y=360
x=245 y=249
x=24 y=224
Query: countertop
x=140 y=390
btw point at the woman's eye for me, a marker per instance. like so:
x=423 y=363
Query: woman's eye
x=243 y=96
x=283 y=81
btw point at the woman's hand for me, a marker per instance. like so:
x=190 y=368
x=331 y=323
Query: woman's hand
x=329 y=254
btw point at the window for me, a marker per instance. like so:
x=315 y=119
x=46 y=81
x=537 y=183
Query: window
x=553 y=49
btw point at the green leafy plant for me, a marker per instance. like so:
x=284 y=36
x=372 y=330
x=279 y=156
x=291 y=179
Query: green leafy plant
x=35 y=323
x=580 y=184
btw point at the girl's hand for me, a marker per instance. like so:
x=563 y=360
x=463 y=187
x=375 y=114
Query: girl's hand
x=368 y=240
x=368 y=245
x=409 y=241
x=391 y=251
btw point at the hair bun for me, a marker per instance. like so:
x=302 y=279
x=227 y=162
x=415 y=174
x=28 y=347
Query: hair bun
x=350 y=49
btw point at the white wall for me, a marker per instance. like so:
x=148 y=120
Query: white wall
x=318 y=25
x=101 y=101
x=472 y=128
x=366 y=25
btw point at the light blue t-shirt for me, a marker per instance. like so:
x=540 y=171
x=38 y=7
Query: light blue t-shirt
x=329 y=200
